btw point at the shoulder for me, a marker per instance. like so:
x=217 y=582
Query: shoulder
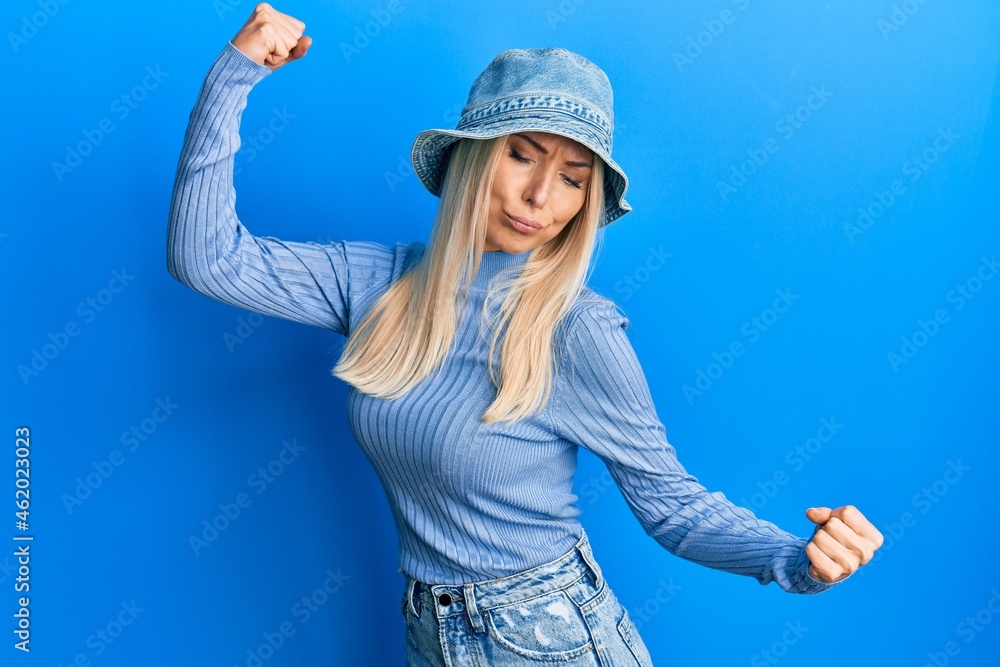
x=410 y=253
x=593 y=313
x=372 y=268
x=372 y=265
x=593 y=332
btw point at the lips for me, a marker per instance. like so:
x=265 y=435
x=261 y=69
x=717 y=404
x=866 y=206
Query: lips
x=525 y=221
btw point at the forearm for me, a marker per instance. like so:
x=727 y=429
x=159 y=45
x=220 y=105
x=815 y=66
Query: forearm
x=707 y=529
x=751 y=547
x=203 y=232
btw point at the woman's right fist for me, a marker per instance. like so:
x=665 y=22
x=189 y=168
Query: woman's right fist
x=272 y=38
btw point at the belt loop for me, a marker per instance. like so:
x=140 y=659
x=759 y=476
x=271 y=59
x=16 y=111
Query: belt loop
x=583 y=547
x=471 y=609
x=409 y=597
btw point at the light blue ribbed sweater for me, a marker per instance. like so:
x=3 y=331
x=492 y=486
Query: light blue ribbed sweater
x=471 y=501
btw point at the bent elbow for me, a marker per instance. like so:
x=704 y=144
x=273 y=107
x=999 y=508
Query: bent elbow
x=185 y=266
x=175 y=269
x=178 y=261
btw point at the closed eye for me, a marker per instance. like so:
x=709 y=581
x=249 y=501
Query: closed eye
x=517 y=157
x=575 y=184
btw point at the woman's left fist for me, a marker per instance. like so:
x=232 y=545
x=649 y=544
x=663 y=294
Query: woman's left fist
x=843 y=541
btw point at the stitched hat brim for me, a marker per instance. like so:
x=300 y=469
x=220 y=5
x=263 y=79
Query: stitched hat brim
x=432 y=149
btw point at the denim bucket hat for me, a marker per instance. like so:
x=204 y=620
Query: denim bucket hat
x=533 y=90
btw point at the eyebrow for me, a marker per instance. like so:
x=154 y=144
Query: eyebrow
x=572 y=163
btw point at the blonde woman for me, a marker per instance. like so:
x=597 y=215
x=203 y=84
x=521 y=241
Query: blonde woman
x=479 y=363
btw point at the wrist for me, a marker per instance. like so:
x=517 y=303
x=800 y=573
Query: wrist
x=250 y=70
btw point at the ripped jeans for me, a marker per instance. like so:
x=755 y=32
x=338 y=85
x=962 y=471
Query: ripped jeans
x=561 y=612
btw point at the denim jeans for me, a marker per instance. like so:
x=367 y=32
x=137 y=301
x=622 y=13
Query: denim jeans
x=562 y=612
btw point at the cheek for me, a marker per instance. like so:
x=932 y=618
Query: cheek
x=571 y=205
x=502 y=178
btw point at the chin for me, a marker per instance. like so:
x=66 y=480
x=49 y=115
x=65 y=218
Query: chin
x=512 y=246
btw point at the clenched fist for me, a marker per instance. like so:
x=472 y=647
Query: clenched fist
x=272 y=38
x=843 y=541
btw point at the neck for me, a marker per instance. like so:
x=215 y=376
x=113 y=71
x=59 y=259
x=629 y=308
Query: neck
x=492 y=263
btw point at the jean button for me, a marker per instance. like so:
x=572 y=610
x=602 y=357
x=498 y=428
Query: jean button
x=444 y=599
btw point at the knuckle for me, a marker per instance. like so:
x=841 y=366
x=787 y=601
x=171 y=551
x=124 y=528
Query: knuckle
x=851 y=512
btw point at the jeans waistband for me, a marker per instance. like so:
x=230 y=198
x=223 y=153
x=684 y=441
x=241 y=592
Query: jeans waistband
x=473 y=597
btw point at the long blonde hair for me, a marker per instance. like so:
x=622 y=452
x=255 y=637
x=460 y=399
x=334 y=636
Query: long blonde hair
x=410 y=328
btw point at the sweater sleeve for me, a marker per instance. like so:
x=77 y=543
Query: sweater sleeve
x=607 y=409
x=209 y=249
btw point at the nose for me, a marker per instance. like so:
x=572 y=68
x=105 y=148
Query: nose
x=536 y=190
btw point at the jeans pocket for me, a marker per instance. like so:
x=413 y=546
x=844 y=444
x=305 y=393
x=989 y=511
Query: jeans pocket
x=548 y=627
x=632 y=639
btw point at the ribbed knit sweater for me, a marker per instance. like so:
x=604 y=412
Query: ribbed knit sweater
x=470 y=501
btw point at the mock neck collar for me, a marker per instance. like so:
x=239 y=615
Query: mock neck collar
x=492 y=263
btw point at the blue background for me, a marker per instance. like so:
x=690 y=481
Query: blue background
x=698 y=94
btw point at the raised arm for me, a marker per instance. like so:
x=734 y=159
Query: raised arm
x=605 y=406
x=208 y=248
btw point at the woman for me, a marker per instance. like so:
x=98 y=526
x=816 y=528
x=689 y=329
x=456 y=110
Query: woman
x=479 y=364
